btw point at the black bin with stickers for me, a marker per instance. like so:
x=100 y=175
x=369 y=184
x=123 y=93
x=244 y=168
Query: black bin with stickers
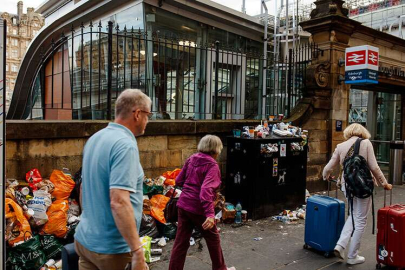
x=266 y=176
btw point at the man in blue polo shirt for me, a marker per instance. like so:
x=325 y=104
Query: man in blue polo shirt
x=112 y=196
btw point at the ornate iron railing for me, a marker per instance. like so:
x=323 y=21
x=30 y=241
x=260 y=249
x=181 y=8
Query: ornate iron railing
x=81 y=75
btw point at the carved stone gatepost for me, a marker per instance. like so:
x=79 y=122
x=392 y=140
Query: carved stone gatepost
x=326 y=97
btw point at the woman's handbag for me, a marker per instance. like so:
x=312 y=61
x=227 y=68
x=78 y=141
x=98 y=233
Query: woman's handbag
x=170 y=210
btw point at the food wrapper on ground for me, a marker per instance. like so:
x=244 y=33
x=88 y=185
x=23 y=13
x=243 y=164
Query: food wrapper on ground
x=171 y=177
x=39 y=204
x=158 y=205
x=20 y=223
x=33 y=177
x=57 y=214
x=64 y=185
x=146 y=244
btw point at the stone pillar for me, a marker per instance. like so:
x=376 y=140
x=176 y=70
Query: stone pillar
x=325 y=91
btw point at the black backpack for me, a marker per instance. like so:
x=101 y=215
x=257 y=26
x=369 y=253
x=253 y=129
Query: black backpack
x=358 y=179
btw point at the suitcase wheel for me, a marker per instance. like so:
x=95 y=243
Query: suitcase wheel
x=305 y=246
x=378 y=266
x=326 y=255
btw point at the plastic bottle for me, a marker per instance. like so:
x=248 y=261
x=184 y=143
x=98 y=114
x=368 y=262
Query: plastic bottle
x=238 y=216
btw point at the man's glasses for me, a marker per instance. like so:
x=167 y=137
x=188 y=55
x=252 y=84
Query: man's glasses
x=150 y=114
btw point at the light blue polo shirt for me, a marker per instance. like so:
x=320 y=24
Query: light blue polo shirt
x=110 y=160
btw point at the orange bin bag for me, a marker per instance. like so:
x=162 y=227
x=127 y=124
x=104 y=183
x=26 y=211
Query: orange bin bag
x=63 y=183
x=171 y=177
x=57 y=219
x=159 y=202
x=13 y=210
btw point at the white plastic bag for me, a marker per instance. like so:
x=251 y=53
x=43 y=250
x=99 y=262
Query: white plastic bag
x=40 y=203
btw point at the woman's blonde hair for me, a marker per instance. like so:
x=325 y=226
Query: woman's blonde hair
x=356 y=130
x=210 y=144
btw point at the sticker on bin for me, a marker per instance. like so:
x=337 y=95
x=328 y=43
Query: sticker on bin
x=275 y=171
x=283 y=150
x=275 y=167
x=281 y=178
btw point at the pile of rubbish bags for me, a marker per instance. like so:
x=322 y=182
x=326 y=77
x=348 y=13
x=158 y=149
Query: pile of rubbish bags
x=154 y=228
x=41 y=216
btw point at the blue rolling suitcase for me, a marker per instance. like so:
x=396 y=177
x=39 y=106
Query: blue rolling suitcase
x=325 y=217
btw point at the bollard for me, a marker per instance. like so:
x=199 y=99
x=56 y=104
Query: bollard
x=396 y=158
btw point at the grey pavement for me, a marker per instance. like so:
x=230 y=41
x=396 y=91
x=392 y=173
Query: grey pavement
x=280 y=248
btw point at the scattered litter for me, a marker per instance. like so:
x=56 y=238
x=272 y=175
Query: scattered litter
x=154 y=241
x=257 y=238
x=307 y=195
x=288 y=216
x=237 y=225
x=285 y=233
x=162 y=242
x=154 y=259
x=156 y=251
x=192 y=241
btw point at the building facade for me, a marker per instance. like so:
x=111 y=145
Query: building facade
x=21 y=29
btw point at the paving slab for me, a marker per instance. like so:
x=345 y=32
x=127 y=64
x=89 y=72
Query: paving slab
x=281 y=246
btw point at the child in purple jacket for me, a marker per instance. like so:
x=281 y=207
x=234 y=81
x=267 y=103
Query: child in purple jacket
x=200 y=179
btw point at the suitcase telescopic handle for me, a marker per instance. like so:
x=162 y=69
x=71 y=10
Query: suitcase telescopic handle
x=385 y=197
x=332 y=180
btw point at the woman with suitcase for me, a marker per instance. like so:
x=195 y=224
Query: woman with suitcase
x=361 y=207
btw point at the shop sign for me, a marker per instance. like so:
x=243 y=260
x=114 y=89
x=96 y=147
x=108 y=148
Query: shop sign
x=364 y=76
x=392 y=71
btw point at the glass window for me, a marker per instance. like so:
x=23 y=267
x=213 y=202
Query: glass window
x=14 y=53
x=131 y=17
x=170 y=25
x=14 y=31
x=14 y=68
x=6 y=67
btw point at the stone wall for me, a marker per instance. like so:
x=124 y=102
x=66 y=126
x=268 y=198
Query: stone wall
x=49 y=145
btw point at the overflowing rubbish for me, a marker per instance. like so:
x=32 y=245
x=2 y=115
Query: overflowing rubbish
x=281 y=129
x=288 y=216
x=41 y=217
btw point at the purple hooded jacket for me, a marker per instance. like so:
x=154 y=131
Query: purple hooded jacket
x=200 y=178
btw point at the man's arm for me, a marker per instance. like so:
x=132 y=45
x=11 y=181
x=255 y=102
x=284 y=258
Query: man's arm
x=125 y=220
